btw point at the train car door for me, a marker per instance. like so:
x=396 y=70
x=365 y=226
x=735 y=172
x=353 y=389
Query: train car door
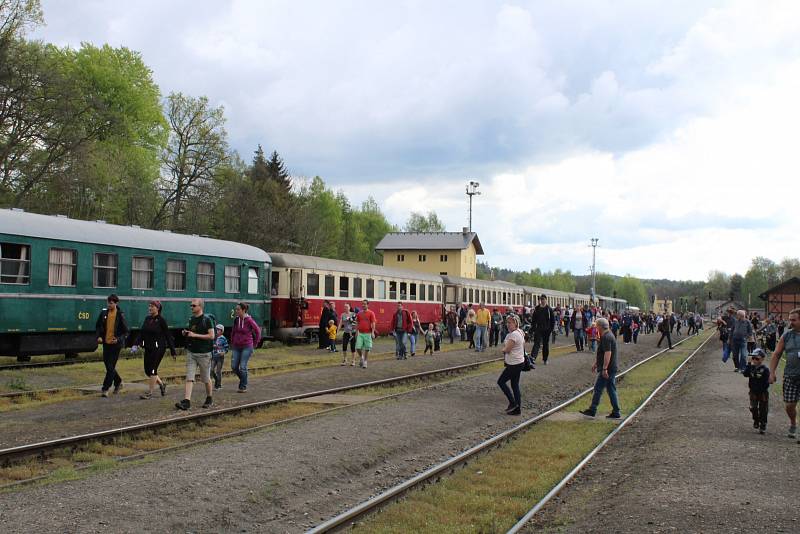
x=294 y=284
x=450 y=296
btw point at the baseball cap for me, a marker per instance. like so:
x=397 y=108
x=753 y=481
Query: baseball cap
x=758 y=353
x=220 y=327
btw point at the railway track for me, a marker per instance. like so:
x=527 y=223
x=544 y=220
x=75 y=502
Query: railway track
x=349 y=517
x=14 y=455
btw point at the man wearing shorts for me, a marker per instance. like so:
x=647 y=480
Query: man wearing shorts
x=790 y=345
x=365 y=324
x=199 y=344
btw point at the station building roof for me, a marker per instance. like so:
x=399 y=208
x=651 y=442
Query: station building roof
x=20 y=223
x=430 y=241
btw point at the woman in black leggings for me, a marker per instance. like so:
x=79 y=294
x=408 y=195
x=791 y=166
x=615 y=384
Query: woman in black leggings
x=514 y=359
x=155 y=337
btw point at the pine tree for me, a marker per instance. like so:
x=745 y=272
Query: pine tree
x=259 y=171
x=276 y=170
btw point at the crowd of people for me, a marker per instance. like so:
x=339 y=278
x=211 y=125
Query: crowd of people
x=206 y=347
x=747 y=341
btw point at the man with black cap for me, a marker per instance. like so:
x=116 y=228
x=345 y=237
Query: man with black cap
x=544 y=321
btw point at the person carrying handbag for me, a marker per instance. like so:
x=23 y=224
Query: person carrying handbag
x=515 y=360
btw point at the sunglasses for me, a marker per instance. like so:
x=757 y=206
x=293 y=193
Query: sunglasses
x=193 y=305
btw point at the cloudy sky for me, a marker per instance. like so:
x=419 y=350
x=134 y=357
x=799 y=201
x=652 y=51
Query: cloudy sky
x=668 y=130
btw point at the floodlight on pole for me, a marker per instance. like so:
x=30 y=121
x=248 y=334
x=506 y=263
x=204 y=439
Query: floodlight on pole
x=472 y=190
x=594 y=272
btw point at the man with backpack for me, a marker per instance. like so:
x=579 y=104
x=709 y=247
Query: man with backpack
x=199 y=344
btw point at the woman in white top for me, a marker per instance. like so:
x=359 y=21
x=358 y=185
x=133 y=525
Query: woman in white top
x=514 y=359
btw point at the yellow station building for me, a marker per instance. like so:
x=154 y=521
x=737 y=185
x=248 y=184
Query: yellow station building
x=444 y=253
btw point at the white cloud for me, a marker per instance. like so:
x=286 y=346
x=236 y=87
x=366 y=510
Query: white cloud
x=667 y=133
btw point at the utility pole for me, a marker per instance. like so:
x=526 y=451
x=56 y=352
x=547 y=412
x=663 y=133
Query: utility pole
x=472 y=190
x=594 y=272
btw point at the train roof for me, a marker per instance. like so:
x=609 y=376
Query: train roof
x=20 y=223
x=499 y=284
x=550 y=292
x=280 y=259
x=611 y=299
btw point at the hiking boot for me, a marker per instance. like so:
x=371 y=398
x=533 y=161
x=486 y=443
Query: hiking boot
x=613 y=415
x=792 y=432
x=184 y=404
x=209 y=401
x=163 y=387
x=588 y=413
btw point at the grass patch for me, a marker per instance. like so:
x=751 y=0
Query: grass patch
x=493 y=491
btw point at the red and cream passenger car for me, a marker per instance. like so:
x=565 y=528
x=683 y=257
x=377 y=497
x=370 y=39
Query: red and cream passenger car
x=300 y=285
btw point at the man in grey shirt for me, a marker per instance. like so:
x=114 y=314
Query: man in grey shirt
x=605 y=366
x=742 y=329
x=789 y=344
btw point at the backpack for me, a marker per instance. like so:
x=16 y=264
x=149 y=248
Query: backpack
x=213 y=320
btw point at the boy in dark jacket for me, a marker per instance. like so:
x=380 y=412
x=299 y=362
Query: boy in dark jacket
x=758 y=375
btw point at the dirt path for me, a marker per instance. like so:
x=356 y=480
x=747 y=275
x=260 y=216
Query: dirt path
x=293 y=476
x=692 y=462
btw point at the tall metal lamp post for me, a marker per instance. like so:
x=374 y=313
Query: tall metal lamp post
x=472 y=190
x=594 y=272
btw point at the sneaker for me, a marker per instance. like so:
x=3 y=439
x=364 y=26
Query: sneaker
x=364 y=366
x=217 y=388
x=209 y=401
x=755 y=424
x=515 y=411
x=163 y=387
x=545 y=362
x=736 y=370
x=145 y=396
x=353 y=364
x=792 y=432
x=343 y=362
x=510 y=406
x=242 y=390
x=762 y=430
x=587 y=412
x=184 y=404
x=104 y=393
x=118 y=388
x=613 y=416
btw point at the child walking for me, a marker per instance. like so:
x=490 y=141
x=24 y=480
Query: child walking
x=437 y=338
x=594 y=335
x=429 y=339
x=758 y=375
x=332 y=335
x=218 y=356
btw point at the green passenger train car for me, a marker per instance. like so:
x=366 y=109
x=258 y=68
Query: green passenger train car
x=56 y=273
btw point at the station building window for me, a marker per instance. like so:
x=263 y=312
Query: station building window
x=357 y=283
x=104 y=270
x=15 y=263
x=401 y=257
x=329 y=285
x=423 y=258
x=142 y=272
x=205 y=276
x=443 y=258
x=233 y=278
x=176 y=275
x=312 y=285
x=392 y=290
x=370 y=289
x=252 y=280
x=344 y=287
x=63 y=270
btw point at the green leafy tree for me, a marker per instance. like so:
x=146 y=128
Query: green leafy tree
x=788 y=268
x=417 y=222
x=631 y=289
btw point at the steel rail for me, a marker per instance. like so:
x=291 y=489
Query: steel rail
x=572 y=474
x=43 y=446
x=349 y=516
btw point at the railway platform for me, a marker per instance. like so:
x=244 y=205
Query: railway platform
x=692 y=462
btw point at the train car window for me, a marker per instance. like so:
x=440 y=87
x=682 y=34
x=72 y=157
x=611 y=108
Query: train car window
x=483 y=296
x=276 y=283
x=252 y=280
x=357 y=288
x=233 y=278
x=381 y=289
x=205 y=276
x=470 y=296
x=312 y=285
x=430 y=292
x=344 y=287
x=63 y=267
x=104 y=270
x=412 y=291
x=142 y=272
x=15 y=263
x=403 y=291
x=370 y=289
x=392 y=290
x=176 y=275
x=329 y=285
x=463 y=294
x=438 y=293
